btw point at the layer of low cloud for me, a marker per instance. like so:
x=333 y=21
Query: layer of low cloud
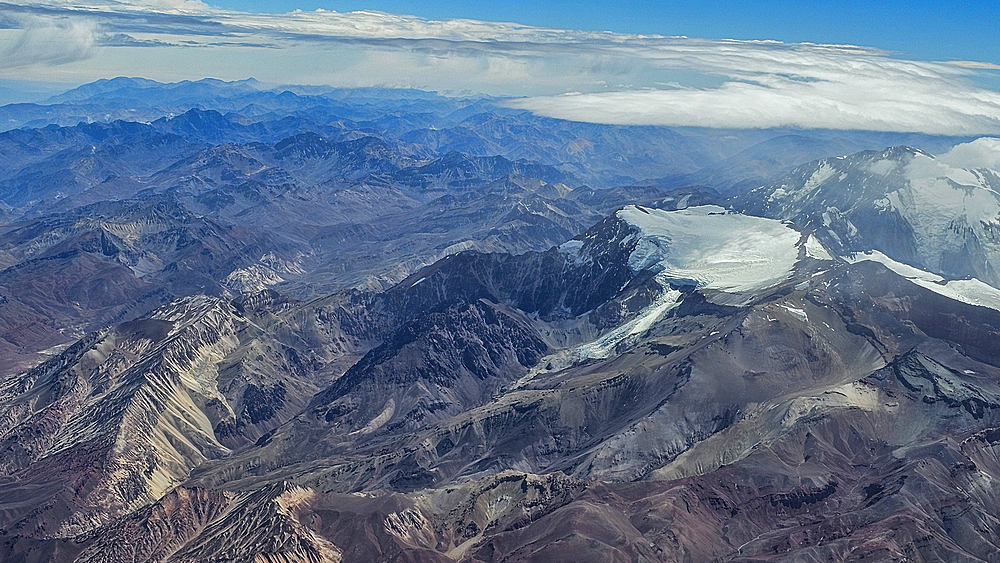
x=885 y=100
x=585 y=76
x=981 y=153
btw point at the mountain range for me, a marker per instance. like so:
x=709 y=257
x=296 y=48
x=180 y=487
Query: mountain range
x=319 y=325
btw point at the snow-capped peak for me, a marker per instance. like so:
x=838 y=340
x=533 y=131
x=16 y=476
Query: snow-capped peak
x=940 y=214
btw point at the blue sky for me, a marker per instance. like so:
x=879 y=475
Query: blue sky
x=927 y=30
x=928 y=67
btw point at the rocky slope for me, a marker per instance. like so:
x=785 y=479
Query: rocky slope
x=778 y=403
x=121 y=417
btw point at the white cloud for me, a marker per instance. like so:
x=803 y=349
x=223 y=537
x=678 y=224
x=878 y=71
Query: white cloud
x=981 y=153
x=807 y=86
x=890 y=102
x=975 y=64
x=46 y=42
x=672 y=80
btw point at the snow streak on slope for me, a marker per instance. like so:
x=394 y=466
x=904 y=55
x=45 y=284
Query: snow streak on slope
x=610 y=342
x=714 y=248
x=972 y=291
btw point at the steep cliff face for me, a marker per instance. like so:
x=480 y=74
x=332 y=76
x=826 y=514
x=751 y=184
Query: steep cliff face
x=704 y=247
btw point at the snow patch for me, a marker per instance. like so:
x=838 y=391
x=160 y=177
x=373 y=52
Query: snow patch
x=604 y=346
x=571 y=246
x=815 y=249
x=883 y=167
x=713 y=248
x=972 y=291
x=799 y=314
x=822 y=174
x=573 y=251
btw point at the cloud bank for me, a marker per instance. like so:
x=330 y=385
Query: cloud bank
x=585 y=76
x=981 y=153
